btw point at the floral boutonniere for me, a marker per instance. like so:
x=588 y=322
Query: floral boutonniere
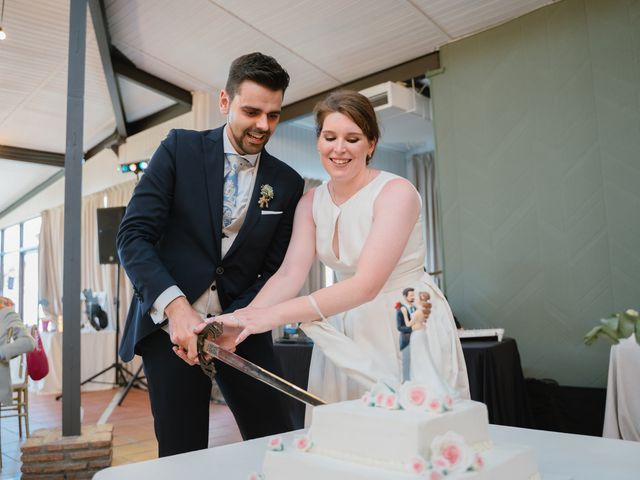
x=266 y=195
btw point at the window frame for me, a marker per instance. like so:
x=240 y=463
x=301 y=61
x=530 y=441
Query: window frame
x=22 y=251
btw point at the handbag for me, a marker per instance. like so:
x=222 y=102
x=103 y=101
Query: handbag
x=37 y=363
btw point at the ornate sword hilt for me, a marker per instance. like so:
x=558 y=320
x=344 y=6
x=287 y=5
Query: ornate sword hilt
x=210 y=333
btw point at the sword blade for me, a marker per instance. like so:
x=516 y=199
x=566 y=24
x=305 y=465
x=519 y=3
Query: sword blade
x=259 y=373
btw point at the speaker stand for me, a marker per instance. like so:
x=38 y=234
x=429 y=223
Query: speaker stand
x=121 y=372
x=135 y=378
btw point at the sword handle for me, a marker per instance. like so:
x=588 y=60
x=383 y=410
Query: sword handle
x=212 y=331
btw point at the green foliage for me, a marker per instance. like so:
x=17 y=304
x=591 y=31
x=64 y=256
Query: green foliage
x=620 y=325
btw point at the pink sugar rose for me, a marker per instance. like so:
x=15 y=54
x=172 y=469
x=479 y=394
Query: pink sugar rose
x=434 y=475
x=413 y=396
x=380 y=399
x=302 y=442
x=255 y=476
x=417 y=465
x=417 y=396
x=452 y=449
x=452 y=453
x=275 y=444
x=478 y=462
x=448 y=402
x=366 y=399
x=391 y=402
x=435 y=405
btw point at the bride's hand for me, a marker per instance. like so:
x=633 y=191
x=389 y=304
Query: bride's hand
x=228 y=338
x=248 y=321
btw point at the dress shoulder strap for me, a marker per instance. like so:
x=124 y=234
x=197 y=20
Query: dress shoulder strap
x=319 y=194
x=380 y=181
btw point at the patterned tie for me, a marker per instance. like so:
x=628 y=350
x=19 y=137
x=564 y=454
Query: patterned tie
x=230 y=190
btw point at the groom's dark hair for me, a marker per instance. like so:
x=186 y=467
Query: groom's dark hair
x=259 y=68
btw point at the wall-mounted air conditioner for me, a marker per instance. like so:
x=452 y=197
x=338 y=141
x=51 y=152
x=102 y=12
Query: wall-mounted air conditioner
x=404 y=115
x=392 y=99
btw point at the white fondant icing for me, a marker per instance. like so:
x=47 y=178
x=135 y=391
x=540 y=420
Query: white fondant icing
x=355 y=432
x=504 y=462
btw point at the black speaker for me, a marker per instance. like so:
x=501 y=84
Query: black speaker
x=108 y=222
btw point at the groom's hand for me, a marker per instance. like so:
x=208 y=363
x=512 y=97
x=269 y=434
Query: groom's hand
x=229 y=334
x=182 y=320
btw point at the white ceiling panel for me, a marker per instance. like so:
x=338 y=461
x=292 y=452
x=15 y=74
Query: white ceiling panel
x=344 y=39
x=139 y=102
x=461 y=18
x=203 y=39
x=18 y=178
x=37 y=45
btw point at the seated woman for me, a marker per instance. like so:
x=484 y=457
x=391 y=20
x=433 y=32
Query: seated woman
x=14 y=340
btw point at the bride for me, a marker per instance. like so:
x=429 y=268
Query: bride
x=364 y=224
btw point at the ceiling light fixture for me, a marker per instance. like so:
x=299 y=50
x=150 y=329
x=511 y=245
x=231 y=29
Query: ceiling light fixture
x=3 y=34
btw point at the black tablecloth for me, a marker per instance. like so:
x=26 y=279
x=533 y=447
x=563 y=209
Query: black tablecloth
x=295 y=359
x=495 y=378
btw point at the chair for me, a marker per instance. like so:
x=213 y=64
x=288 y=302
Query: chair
x=20 y=393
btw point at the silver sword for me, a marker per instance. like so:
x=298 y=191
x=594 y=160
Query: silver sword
x=208 y=350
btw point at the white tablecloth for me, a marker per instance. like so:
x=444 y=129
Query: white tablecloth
x=559 y=455
x=622 y=412
x=97 y=351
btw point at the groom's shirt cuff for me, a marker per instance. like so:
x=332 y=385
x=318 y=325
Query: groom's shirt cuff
x=165 y=298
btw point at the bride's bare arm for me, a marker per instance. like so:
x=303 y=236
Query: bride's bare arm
x=290 y=277
x=385 y=244
x=407 y=321
x=405 y=315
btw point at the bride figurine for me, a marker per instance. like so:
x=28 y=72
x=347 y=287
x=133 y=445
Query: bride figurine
x=422 y=367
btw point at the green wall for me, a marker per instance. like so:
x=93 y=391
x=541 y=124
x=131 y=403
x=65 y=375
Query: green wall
x=538 y=153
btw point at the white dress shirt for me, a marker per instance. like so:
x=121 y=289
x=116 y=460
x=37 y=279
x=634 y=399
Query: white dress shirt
x=209 y=303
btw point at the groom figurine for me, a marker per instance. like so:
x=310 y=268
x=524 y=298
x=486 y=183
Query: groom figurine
x=208 y=224
x=408 y=305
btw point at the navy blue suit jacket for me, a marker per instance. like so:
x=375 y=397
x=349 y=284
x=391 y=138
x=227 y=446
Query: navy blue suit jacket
x=171 y=231
x=405 y=332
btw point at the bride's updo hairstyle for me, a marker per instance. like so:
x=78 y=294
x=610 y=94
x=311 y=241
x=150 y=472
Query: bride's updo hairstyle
x=355 y=106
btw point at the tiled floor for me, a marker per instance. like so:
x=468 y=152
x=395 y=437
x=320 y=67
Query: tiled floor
x=133 y=440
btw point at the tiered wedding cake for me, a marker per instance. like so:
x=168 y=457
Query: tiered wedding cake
x=403 y=433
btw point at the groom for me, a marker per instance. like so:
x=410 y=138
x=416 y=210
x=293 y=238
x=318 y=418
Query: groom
x=208 y=224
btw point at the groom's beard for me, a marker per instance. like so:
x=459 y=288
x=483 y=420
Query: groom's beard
x=242 y=143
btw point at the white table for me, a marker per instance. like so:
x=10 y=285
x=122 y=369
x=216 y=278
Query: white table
x=97 y=351
x=622 y=412
x=559 y=455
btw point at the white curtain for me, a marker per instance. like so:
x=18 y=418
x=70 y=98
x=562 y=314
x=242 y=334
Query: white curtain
x=50 y=260
x=206 y=113
x=421 y=172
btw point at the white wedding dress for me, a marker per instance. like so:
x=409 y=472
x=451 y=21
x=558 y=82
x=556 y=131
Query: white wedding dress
x=355 y=349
